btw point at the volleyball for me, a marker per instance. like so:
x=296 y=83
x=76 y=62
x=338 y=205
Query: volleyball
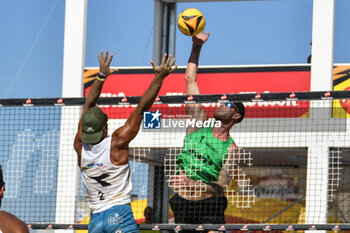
x=191 y=22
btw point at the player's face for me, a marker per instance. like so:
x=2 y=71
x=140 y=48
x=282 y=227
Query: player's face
x=105 y=131
x=224 y=112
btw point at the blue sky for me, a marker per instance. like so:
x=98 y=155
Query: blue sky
x=244 y=32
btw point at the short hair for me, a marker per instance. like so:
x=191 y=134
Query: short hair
x=2 y=183
x=241 y=110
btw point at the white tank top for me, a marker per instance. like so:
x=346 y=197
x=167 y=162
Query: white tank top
x=107 y=184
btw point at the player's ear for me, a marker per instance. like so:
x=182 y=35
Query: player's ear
x=2 y=189
x=236 y=116
x=105 y=128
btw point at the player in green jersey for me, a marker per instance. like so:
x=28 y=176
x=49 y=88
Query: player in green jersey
x=200 y=178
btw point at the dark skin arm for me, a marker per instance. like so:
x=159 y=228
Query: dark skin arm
x=92 y=98
x=122 y=136
x=11 y=224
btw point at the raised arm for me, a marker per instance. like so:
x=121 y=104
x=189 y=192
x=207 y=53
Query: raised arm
x=93 y=95
x=123 y=135
x=195 y=110
x=151 y=93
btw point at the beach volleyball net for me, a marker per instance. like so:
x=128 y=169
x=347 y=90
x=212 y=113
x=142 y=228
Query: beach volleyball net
x=289 y=172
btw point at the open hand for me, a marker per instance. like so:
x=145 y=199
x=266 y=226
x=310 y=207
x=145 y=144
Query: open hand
x=200 y=38
x=166 y=67
x=105 y=63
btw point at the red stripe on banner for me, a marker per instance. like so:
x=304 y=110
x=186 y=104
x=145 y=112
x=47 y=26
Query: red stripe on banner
x=214 y=83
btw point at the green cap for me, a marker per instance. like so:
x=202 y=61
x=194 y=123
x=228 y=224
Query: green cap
x=93 y=122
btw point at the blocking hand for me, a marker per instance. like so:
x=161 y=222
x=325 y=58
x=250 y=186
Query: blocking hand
x=105 y=63
x=166 y=67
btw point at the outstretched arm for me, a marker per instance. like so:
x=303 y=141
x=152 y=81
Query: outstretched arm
x=151 y=93
x=123 y=135
x=195 y=110
x=96 y=87
x=93 y=95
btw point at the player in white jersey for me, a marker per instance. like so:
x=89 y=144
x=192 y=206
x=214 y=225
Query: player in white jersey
x=8 y=222
x=103 y=159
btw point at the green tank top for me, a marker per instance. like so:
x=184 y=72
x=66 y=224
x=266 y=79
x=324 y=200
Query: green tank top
x=202 y=155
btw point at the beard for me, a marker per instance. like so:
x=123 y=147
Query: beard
x=223 y=114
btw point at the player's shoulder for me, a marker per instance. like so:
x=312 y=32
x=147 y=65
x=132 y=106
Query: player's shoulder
x=234 y=145
x=8 y=219
x=4 y=214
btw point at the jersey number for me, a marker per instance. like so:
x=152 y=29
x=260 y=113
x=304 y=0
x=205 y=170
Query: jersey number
x=101 y=195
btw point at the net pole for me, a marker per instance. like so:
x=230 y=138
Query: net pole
x=322 y=45
x=317 y=184
x=321 y=79
x=67 y=181
x=72 y=86
x=317 y=178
